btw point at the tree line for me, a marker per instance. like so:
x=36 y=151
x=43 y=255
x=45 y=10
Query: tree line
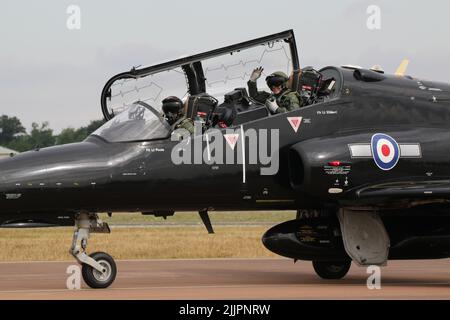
x=13 y=134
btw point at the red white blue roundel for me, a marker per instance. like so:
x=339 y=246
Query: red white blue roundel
x=385 y=151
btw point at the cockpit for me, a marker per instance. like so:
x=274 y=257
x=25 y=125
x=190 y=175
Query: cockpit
x=212 y=86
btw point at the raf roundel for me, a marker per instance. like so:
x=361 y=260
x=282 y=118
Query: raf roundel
x=385 y=151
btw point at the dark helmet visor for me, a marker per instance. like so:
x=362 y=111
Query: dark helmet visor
x=172 y=105
x=275 y=81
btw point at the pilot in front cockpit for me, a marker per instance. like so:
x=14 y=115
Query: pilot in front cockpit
x=173 y=112
x=282 y=99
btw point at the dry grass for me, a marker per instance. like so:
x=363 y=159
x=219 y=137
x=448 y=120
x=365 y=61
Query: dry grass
x=193 y=217
x=136 y=243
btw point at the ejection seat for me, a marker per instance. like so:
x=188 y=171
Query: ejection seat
x=200 y=106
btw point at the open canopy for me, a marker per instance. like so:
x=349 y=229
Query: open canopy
x=215 y=72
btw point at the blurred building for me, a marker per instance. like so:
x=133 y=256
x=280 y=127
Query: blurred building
x=5 y=152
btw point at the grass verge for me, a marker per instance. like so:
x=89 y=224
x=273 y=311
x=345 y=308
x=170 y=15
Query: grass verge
x=193 y=217
x=52 y=244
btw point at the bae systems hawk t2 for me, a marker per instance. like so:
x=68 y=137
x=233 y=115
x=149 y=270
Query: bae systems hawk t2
x=365 y=161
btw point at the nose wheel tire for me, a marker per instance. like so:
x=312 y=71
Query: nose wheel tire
x=331 y=269
x=96 y=279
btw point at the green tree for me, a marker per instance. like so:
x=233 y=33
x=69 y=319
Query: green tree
x=94 y=125
x=21 y=143
x=71 y=135
x=9 y=128
x=41 y=136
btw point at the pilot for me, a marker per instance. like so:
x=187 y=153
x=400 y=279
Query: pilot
x=282 y=99
x=173 y=111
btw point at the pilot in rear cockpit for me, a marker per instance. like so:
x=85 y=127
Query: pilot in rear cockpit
x=173 y=112
x=282 y=99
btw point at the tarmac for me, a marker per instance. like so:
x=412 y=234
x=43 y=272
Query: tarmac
x=228 y=279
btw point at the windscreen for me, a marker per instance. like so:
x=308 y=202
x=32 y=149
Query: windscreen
x=135 y=123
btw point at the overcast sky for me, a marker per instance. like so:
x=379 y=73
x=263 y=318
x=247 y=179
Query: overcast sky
x=51 y=73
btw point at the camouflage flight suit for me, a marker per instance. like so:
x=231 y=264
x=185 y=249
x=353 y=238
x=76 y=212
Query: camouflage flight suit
x=185 y=123
x=287 y=99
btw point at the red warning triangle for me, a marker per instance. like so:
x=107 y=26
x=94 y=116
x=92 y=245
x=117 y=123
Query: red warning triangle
x=295 y=122
x=231 y=139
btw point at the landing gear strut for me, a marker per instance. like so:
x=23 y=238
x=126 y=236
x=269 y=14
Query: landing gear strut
x=98 y=269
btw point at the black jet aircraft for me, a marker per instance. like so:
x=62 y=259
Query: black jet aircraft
x=365 y=162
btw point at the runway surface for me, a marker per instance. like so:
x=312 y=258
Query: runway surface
x=228 y=279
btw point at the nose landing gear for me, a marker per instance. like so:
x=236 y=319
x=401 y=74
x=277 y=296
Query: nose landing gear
x=98 y=269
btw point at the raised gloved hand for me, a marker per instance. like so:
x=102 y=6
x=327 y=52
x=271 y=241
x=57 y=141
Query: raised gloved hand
x=272 y=104
x=256 y=74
